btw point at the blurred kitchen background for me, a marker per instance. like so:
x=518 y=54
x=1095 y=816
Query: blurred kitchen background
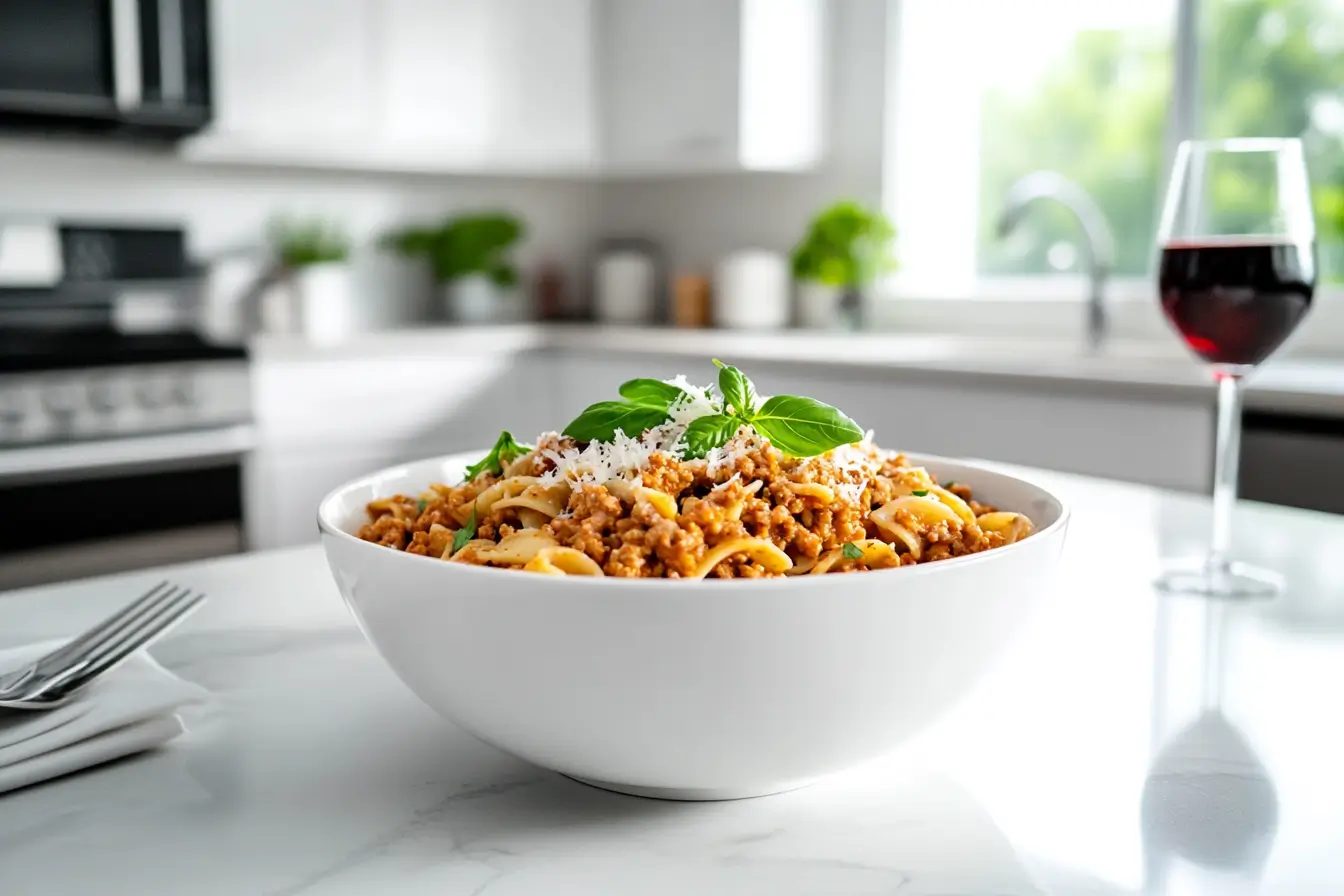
x=252 y=248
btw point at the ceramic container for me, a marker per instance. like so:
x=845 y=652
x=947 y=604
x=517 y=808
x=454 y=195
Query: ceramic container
x=706 y=689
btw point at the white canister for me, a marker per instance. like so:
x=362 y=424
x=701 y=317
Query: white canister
x=326 y=303
x=624 y=284
x=751 y=290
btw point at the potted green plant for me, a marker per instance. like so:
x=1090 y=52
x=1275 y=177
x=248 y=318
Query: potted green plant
x=846 y=247
x=311 y=256
x=469 y=256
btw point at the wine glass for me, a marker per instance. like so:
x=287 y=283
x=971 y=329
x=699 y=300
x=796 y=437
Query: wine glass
x=1237 y=273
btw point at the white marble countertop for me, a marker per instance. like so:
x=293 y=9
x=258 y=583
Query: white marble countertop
x=1128 y=744
x=1150 y=369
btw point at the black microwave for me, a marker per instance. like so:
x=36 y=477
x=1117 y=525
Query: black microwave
x=126 y=67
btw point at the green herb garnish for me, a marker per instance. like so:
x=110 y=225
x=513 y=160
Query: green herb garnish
x=920 y=492
x=739 y=395
x=650 y=393
x=851 y=550
x=599 y=422
x=801 y=427
x=645 y=406
x=706 y=433
x=420 y=506
x=506 y=450
x=797 y=426
x=804 y=427
x=948 y=484
x=464 y=535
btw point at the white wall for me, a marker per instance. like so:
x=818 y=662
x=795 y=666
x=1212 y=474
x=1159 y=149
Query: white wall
x=698 y=219
x=225 y=209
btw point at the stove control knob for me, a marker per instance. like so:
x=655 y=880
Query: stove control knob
x=151 y=395
x=104 y=396
x=182 y=391
x=61 y=401
x=13 y=408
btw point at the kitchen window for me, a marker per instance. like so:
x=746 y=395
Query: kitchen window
x=1099 y=91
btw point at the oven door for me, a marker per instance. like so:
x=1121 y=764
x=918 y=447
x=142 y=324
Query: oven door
x=90 y=508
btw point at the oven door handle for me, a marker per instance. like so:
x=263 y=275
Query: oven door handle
x=83 y=460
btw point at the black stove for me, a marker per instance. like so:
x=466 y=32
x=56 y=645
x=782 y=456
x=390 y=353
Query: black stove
x=33 y=349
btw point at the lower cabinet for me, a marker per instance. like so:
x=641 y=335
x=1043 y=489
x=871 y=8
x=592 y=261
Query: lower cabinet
x=323 y=422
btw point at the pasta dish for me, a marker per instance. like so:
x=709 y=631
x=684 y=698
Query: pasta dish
x=678 y=481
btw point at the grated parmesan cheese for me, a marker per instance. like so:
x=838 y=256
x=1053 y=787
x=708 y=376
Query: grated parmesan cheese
x=693 y=405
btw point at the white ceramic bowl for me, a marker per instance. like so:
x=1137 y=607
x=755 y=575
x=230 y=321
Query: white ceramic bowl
x=691 y=690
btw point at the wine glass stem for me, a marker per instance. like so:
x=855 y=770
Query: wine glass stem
x=1227 y=450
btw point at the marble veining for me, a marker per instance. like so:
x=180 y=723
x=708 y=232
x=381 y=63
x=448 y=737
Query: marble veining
x=1129 y=744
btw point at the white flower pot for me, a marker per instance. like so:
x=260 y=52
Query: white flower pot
x=316 y=302
x=478 y=300
x=819 y=305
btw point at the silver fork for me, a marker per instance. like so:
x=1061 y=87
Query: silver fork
x=51 y=680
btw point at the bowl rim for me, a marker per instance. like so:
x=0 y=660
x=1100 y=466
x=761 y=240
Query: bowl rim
x=794 y=583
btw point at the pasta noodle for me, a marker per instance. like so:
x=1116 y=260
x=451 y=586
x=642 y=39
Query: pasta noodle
x=563 y=562
x=641 y=506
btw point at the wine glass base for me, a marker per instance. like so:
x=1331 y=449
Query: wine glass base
x=1228 y=580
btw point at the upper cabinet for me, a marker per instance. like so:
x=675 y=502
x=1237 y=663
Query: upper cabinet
x=711 y=85
x=294 y=72
x=504 y=83
x=451 y=86
x=573 y=87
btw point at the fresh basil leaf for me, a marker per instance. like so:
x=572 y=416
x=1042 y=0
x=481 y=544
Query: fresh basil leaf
x=707 y=433
x=851 y=550
x=600 y=421
x=420 y=506
x=804 y=427
x=464 y=535
x=739 y=395
x=505 y=450
x=920 y=492
x=654 y=393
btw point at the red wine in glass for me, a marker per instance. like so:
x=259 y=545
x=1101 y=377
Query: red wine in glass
x=1237 y=274
x=1234 y=301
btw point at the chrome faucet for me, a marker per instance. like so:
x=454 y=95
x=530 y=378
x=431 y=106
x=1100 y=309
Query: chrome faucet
x=1099 y=244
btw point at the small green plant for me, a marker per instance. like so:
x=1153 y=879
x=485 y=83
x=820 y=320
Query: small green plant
x=464 y=246
x=299 y=243
x=846 y=245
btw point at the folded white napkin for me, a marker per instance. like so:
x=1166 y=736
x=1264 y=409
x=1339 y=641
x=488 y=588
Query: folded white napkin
x=130 y=709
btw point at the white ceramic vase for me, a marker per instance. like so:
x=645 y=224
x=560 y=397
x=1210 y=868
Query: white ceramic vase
x=320 y=300
x=478 y=300
x=819 y=305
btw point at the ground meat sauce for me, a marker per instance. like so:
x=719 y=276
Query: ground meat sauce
x=816 y=511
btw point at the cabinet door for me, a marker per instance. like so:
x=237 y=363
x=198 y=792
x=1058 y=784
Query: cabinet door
x=436 y=86
x=670 y=82
x=294 y=71
x=543 y=78
x=281 y=490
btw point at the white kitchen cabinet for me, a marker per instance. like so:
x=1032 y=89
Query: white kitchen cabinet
x=325 y=420
x=450 y=86
x=711 y=85
x=291 y=72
